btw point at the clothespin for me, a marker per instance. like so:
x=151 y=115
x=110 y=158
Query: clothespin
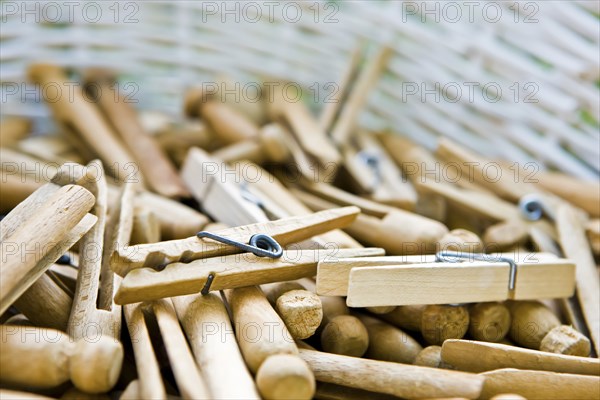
x=93 y=301
x=452 y=278
x=37 y=232
x=375 y=173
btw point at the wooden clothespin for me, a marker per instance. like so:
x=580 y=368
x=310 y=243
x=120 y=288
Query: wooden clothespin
x=447 y=281
x=37 y=232
x=375 y=174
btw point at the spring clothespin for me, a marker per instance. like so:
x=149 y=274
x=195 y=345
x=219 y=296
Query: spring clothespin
x=447 y=278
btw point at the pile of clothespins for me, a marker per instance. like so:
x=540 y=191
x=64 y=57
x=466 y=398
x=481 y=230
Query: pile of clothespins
x=255 y=251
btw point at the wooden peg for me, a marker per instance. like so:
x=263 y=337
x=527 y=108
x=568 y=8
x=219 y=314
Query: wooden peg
x=345 y=335
x=285 y=376
x=269 y=146
x=301 y=312
x=592 y=229
x=472 y=356
x=398 y=232
x=209 y=331
x=489 y=322
x=155 y=167
x=186 y=278
x=216 y=188
x=146 y=228
x=6 y=394
x=285 y=231
x=431 y=356
x=388 y=343
x=366 y=80
x=400 y=380
x=384 y=182
x=78 y=115
x=307 y=131
x=45 y=358
x=30 y=248
x=471 y=282
x=229 y=124
x=93 y=303
x=190 y=383
x=549 y=334
x=418 y=165
x=540 y=384
x=15 y=189
x=150 y=384
x=575 y=246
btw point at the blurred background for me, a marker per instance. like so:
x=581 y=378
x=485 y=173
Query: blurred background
x=517 y=80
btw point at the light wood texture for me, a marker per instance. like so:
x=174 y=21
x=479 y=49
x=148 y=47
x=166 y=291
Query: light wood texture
x=230 y=272
x=46 y=304
x=158 y=171
x=259 y=330
x=306 y=129
x=575 y=246
x=443 y=322
x=150 y=385
x=333 y=275
x=229 y=124
x=285 y=231
x=444 y=283
x=388 y=343
x=401 y=380
x=472 y=356
x=398 y=232
x=301 y=311
x=45 y=358
x=345 y=335
x=6 y=394
x=15 y=188
x=272 y=189
x=366 y=80
x=285 y=376
x=80 y=116
x=479 y=203
x=214 y=185
x=177 y=221
x=25 y=249
x=580 y=193
x=190 y=383
x=489 y=321
x=13 y=129
x=269 y=146
x=146 y=228
x=209 y=332
x=540 y=385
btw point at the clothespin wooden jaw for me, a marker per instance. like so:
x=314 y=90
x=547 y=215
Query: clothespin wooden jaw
x=386 y=281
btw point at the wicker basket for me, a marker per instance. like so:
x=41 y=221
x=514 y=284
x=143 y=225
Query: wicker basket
x=515 y=80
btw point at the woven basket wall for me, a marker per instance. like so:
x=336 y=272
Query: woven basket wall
x=543 y=55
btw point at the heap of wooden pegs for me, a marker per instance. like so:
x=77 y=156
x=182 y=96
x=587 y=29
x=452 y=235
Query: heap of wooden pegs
x=392 y=282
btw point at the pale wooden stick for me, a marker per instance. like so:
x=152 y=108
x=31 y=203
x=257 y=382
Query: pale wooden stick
x=593 y=233
x=472 y=356
x=540 y=384
x=150 y=380
x=575 y=246
x=6 y=394
x=357 y=98
x=209 y=331
x=79 y=115
x=44 y=230
x=155 y=167
x=229 y=124
x=146 y=228
x=330 y=391
x=15 y=189
x=190 y=383
x=393 y=378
